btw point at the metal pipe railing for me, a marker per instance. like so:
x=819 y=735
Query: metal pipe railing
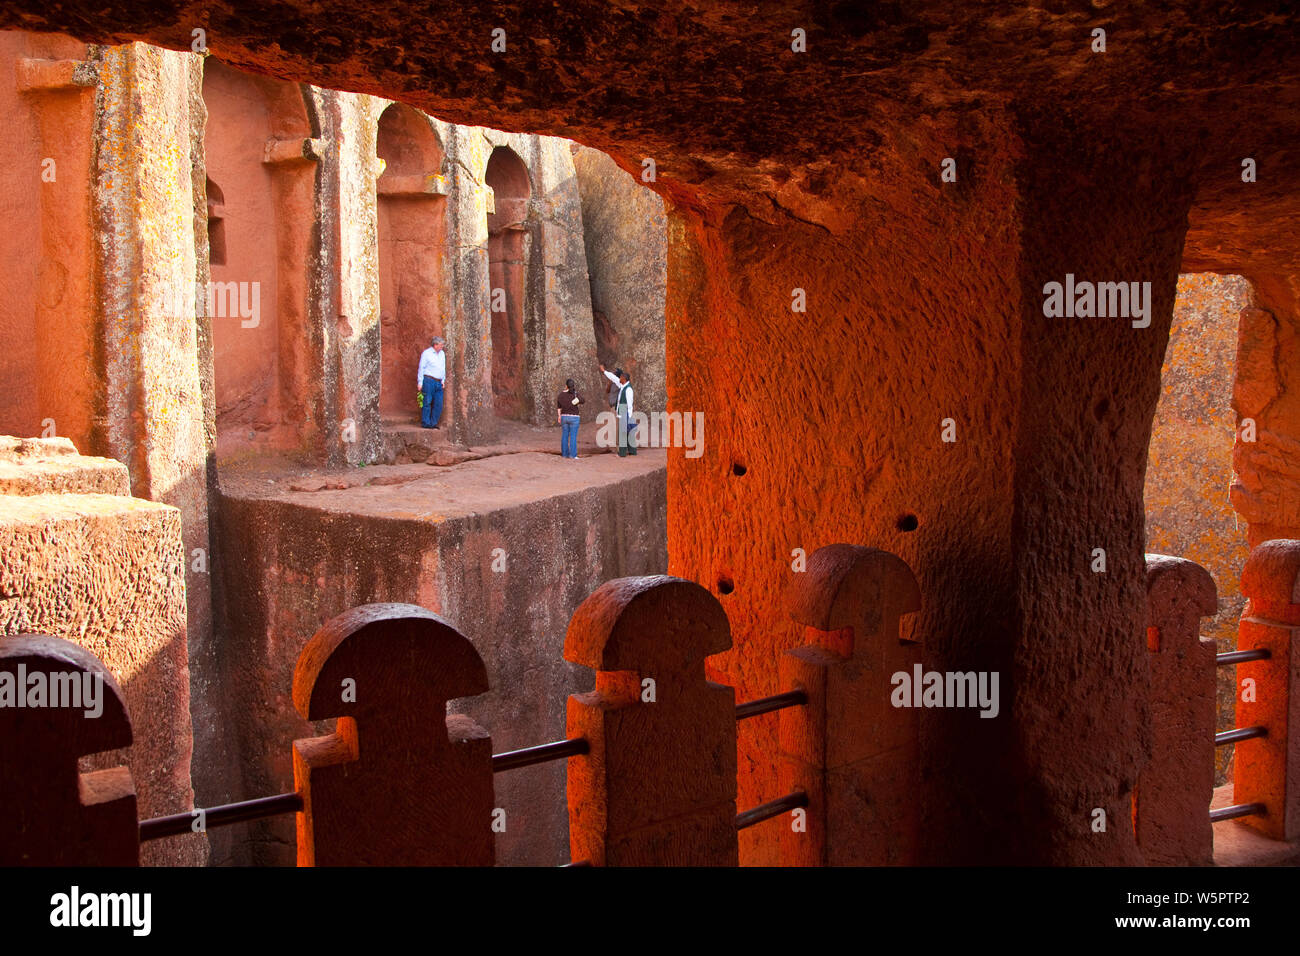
x=282 y=803
x=1241 y=733
x=542 y=753
x=1238 y=810
x=766 y=705
x=221 y=816
x=1241 y=657
x=773 y=808
x=263 y=807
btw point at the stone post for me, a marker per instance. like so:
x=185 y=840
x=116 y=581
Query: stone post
x=658 y=785
x=50 y=814
x=850 y=749
x=1267 y=769
x=389 y=787
x=1170 y=805
x=155 y=336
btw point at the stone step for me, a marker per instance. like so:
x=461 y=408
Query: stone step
x=404 y=443
x=1236 y=843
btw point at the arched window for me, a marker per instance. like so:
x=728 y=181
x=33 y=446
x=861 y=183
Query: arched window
x=412 y=244
x=507 y=270
x=216 y=224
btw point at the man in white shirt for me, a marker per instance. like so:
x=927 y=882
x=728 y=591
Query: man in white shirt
x=623 y=409
x=429 y=380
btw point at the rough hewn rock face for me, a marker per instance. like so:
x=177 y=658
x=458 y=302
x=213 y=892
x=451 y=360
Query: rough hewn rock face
x=1189 y=464
x=106 y=571
x=1266 y=480
x=899 y=337
x=101 y=206
x=553 y=299
x=157 y=414
x=48 y=323
x=293 y=559
x=723 y=101
x=626 y=234
x=42 y=466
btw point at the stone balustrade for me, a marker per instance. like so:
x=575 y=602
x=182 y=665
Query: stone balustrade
x=1266 y=769
x=1174 y=789
x=651 y=750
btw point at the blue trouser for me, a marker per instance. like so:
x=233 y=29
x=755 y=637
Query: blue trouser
x=431 y=413
x=569 y=435
x=626 y=432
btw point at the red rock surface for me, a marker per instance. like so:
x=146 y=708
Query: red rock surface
x=35 y=466
x=1189 y=462
x=106 y=571
x=1177 y=784
x=506 y=546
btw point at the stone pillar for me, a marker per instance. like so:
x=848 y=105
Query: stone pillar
x=391 y=787
x=1267 y=769
x=1170 y=806
x=658 y=785
x=155 y=342
x=60 y=96
x=1265 y=481
x=469 y=344
x=915 y=395
x=567 y=346
x=852 y=749
x=351 y=427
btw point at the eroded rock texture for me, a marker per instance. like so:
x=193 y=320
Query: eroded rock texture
x=82 y=560
x=509 y=561
x=626 y=234
x=820 y=171
x=1189 y=464
x=1266 y=457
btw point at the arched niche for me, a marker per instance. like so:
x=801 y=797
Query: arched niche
x=507 y=176
x=216 y=224
x=412 y=245
x=261 y=207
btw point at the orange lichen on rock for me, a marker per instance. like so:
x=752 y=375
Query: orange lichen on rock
x=1267 y=769
x=1189 y=461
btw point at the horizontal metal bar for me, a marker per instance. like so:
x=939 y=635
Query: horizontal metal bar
x=221 y=816
x=1240 y=657
x=262 y=807
x=773 y=808
x=1241 y=733
x=765 y=705
x=1238 y=810
x=542 y=753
